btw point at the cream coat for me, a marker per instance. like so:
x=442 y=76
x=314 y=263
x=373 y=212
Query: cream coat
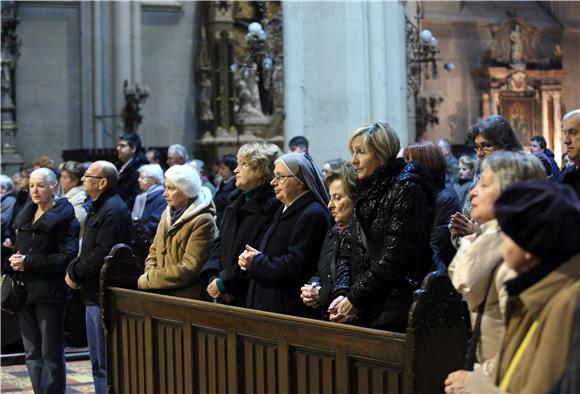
x=77 y=196
x=552 y=303
x=477 y=262
x=179 y=250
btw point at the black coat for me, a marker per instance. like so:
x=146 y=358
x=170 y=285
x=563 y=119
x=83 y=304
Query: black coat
x=128 y=184
x=291 y=248
x=49 y=244
x=446 y=204
x=108 y=223
x=395 y=208
x=334 y=279
x=221 y=199
x=245 y=221
x=571 y=176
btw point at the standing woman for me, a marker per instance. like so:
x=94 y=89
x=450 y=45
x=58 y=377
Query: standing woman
x=46 y=241
x=487 y=136
x=71 y=173
x=184 y=236
x=245 y=221
x=288 y=254
x=394 y=212
x=333 y=278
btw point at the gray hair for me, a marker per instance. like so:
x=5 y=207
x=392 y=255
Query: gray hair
x=154 y=171
x=6 y=183
x=180 y=151
x=380 y=138
x=48 y=175
x=512 y=167
x=260 y=156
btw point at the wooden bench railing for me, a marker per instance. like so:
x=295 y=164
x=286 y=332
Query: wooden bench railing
x=163 y=344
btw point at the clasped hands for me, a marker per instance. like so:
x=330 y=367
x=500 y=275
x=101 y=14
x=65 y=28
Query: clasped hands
x=246 y=258
x=461 y=225
x=17 y=262
x=341 y=310
x=215 y=293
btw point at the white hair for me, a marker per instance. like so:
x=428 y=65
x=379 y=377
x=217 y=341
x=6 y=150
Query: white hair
x=48 y=175
x=185 y=179
x=154 y=171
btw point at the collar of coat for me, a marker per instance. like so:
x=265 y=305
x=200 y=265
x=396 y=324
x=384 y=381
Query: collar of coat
x=61 y=212
x=537 y=296
x=202 y=203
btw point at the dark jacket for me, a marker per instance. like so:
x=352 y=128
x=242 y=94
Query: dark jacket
x=290 y=250
x=49 y=244
x=154 y=207
x=245 y=221
x=7 y=205
x=333 y=268
x=221 y=198
x=554 y=166
x=571 y=176
x=446 y=204
x=108 y=223
x=395 y=209
x=128 y=184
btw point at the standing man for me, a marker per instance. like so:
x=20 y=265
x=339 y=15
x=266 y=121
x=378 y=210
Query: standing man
x=538 y=145
x=177 y=154
x=131 y=158
x=108 y=223
x=571 y=133
x=452 y=171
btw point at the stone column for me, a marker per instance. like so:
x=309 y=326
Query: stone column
x=544 y=96
x=122 y=49
x=557 y=109
x=494 y=101
x=344 y=66
x=485 y=105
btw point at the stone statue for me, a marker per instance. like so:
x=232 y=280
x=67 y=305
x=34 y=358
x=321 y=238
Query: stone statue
x=205 y=112
x=516 y=47
x=246 y=101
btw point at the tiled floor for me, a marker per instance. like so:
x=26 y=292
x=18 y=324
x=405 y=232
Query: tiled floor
x=14 y=378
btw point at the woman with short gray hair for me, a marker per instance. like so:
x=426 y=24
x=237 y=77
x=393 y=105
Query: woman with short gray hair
x=477 y=271
x=148 y=207
x=245 y=220
x=46 y=241
x=7 y=201
x=71 y=173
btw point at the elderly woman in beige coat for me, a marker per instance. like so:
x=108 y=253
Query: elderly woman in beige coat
x=477 y=271
x=184 y=236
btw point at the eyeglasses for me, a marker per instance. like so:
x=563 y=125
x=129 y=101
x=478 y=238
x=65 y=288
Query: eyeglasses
x=281 y=178
x=484 y=147
x=93 y=176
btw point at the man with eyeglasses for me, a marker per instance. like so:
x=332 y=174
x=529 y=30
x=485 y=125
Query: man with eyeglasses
x=108 y=223
x=571 y=134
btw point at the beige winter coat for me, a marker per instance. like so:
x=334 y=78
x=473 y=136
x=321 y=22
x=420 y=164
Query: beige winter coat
x=180 y=249
x=551 y=303
x=77 y=196
x=477 y=263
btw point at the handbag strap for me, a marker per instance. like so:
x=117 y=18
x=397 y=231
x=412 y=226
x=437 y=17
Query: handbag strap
x=476 y=334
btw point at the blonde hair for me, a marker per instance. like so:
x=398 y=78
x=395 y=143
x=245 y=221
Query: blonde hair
x=380 y=138
x=260 y=156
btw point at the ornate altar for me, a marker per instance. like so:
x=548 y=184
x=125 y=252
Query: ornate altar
x=239 y=75
x=524 y=89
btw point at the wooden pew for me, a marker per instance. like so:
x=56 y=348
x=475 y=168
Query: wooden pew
x=163 y=344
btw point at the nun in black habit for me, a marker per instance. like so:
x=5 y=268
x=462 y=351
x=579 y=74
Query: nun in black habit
x=288 y=254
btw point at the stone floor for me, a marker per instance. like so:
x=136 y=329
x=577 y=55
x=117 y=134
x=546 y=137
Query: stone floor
x=14 y=378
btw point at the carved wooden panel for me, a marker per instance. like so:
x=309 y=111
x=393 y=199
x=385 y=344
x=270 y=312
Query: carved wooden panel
x=132 y=352
x=372 y=376
x=168 y=345
x=212 y=361
x=260 y=365
x=312 y=371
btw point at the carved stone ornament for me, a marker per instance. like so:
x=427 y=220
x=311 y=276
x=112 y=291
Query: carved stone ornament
x=513 y=42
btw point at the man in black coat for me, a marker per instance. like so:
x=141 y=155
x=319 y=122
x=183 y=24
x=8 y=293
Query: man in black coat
x=131 y=158
x=571 y=132
x=108 y=223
